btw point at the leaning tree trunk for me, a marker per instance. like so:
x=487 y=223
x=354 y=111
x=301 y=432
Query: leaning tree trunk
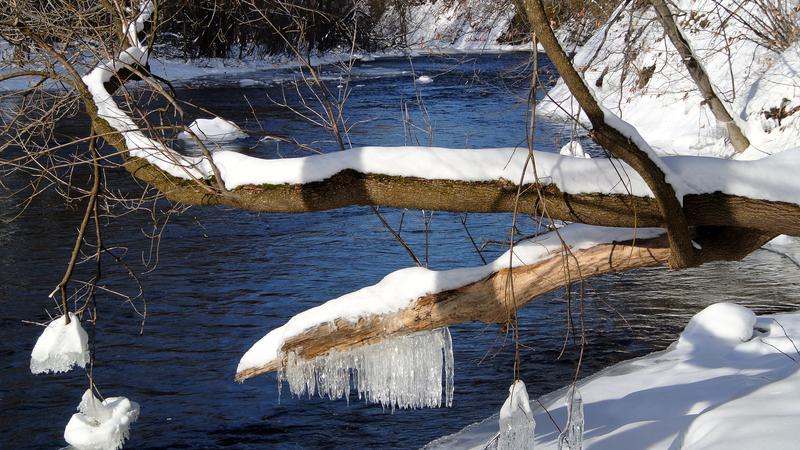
x=615 y=141
x=699 y=75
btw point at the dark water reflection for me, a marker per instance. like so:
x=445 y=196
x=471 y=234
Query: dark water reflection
x=226 y=277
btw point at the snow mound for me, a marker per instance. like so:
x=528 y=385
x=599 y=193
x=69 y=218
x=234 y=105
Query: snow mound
x=60 y=347
x=645 y=82
x=516 y=420
x=424 y=79
x=101 y=425
x=721 y=323
x=574 y=148
x=214 y=130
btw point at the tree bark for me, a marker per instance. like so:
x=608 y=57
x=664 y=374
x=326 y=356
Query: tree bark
x=699 y=75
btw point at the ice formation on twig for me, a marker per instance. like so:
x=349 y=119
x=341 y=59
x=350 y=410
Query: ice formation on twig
x=101 y=425
x=60 y=347
x=402 y=372
x=572 y=436
x=517 y=424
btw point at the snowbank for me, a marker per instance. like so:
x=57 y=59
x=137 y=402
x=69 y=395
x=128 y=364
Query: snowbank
x=60 y=347
x=744 y=394
x=649 y=87
x=101 y=425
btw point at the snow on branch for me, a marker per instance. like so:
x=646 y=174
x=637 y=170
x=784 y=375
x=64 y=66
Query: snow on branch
x=60 y=347
x=101 y=425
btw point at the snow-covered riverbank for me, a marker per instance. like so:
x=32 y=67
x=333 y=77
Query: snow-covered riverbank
x=730 y=381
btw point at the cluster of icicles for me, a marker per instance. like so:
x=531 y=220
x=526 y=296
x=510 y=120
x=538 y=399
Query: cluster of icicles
x=517 y=425
x=403 y=372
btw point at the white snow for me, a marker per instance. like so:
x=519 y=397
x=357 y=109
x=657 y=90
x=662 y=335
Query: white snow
x=60 y=347
x=517 y=425
x=629 y=131
x=573 y=148
x=213 y=130
x=400 y=288
x=741 y=394
x=402 y=372
x=101 y=425
x=665 y=106
x=721 y=323
x=770 y=178
x=137 y=143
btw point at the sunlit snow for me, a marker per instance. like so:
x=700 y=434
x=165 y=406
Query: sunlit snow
x=101 y=425
x=736 y=386
x=60 y=347
x=402 y=372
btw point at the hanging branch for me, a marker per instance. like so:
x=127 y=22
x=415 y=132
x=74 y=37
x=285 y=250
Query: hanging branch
x=90 y=209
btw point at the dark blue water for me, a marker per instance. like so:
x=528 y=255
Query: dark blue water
x=224 y=278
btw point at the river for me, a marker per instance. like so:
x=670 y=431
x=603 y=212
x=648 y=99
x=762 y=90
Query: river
x=224 y=278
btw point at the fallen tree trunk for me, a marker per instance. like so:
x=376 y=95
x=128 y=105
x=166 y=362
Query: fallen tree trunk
x=486 y=300
x=497 y=297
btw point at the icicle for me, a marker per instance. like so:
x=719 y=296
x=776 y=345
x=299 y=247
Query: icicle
x=101 y=425
x=403 y=372
x=572 y=436
x=517 y=424
x=449 y=366
x=60 y=347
